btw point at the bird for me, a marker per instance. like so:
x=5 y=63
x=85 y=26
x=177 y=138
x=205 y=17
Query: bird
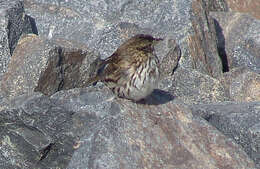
x=132 y=71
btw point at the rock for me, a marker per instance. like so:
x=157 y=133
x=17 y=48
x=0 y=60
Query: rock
x=49 y=118
x=241 y=85
x=250 y=7
x=148 y=136
x=238 y=41
x=192 y=87
x=202 y=44
x=46 y=66
x=107 y=132
x=227 y=78
x=12 y=25
x=105 y=26
x=169 y=54
x=246 y=87
x=239 y=121
x=35 y=134
x=218 y=5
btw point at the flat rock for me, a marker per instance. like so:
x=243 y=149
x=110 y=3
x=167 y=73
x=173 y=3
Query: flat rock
x=239 y=121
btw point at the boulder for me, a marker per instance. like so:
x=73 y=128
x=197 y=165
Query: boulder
x=238 y=40
x=239 y=121
x=39 y=64
x=241 y=84
x=104 y=26
x=13 y=22
x=101 y=131
x=250 y=7
x=193 y=87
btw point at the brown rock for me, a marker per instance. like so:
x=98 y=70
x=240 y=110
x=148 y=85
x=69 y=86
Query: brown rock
x=251 y=7
x=163 y=136
x=41 y=65
x=202 y=45
x=169 y=54
x=237 y=120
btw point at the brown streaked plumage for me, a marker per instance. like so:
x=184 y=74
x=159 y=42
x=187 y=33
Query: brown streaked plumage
x=132 y=71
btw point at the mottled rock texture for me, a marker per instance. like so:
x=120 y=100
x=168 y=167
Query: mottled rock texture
x=99 y=131
x=46 y=66
x=13 y=22
x=241 y=85
x=251 y=7
x=236 y=120
x=35 y=134
x=104 y=25
x=238 y=39
x=204 y=114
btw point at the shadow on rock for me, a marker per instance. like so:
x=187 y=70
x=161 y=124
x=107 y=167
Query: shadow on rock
x=158 y=97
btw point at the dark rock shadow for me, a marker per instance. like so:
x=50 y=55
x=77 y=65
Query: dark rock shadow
x=30 y=25
x=157 y=97
x=221 y=46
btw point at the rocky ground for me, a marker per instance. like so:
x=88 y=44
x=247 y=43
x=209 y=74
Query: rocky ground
x=205 y=113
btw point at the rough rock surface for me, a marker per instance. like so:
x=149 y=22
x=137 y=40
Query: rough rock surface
x=50 y=119
x=242 y=51
x=236 y=120
x=104 y=25
x=35 y=134
x=192 y=87
x=241 y=84
x=153 y=137
x=110 y=133
x=251 y=7
x=46 y=66
x=12 y=25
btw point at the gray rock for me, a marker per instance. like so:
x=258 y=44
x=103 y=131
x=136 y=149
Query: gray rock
x=13 y=23
x=239 y=121
x=107 y=132
x=103 y=26
x=11 y=26
x=35 y=134
x=77 y=127
x=192 y=87
x=217 y=5
x=148 y=136
x=46 y=66
x=238 y=41
x=241 y=84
